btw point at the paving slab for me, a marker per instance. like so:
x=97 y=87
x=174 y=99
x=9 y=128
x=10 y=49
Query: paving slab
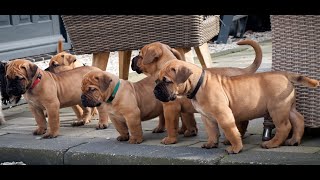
x=31 y=150
x=120 y=153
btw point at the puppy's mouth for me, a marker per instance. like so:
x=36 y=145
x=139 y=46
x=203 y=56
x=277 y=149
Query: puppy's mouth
x=15 y=89
x=89 y=102
x=162 y=93
x=134 y=65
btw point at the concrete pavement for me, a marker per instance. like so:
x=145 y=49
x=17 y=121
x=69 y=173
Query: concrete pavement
x=85 y=145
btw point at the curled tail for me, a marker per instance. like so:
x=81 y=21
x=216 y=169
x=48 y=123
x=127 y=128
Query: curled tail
x=60 y=45
x=257 y=61
x=300 y=79
x=176 y=53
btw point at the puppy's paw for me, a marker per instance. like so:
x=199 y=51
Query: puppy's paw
x=49 y=135
x=190 y=133
x=233 y=149
x=210 y=145
x=78 y=123
x=268 y=145
x=123 y=138
x=101 y=126
x=39 y=131
x=133 y=140
x=158 y=130
x=168 y=140
x=182 y=130
x=292 y=142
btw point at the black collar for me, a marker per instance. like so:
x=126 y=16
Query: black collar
x=190 y=96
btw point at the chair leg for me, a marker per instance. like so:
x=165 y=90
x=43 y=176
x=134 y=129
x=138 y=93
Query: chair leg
x=124 y=63
x=204 y=55
x=186 y=54
x=100 y=60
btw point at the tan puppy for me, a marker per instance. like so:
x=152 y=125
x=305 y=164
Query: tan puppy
x=44 y=90
x=60 y=62
x=228 y=100
x=126 y=103
x=151 y=59
x=63 y=58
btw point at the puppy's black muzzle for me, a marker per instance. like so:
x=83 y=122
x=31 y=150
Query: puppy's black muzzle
x=15 y=88
x=134 y=65
x=87 y=102
x=162 y=93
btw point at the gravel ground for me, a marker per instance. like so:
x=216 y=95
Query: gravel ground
x=113 y=65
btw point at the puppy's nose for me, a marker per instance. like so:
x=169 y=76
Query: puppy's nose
x=47 y=69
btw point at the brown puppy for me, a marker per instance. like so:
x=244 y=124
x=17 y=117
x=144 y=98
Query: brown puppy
x=126 y=103
x=60 y=62
x=44 y=90
x=229 y=100
x=151 y=59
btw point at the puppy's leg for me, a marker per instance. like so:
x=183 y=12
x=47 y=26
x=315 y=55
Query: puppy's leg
x=297 y=122
x=40 y=119
x=171 y=116
x=103 y=118
x=78 y=111
x=94 y=112
x=121 y=127
x=2 y=121
x=86 y=117
x=133 y=120
x=190 y=124
x=242 y=127
x=280 y=118
x=225 y=119
x=213 y=133
x=161 y=125
x=53 y=121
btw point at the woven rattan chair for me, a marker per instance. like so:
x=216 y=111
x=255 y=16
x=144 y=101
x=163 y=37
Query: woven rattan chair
x=102 y=34
x=296 y=48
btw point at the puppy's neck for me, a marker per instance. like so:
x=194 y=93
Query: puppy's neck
x=108 y=93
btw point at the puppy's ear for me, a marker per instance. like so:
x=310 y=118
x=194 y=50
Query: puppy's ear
x=182 y=74
x=175 y=53
x=104 y=82
x=70 y=58
x=31 y=70
x=153 y=53
x=60 y=46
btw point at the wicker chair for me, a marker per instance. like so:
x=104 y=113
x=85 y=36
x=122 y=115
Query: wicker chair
x=295 y=48
x=101 y=34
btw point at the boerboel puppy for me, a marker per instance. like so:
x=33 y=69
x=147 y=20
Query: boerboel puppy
x=61 y=62
x=5 y=97
x=44 y=90
x=151 y=59
x=225 y=101
x=126 y=103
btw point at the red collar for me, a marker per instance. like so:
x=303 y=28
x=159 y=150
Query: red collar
x=35 y=82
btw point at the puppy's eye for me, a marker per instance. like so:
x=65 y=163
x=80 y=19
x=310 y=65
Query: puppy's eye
x=91 y=89
x=157 y=81
x=18 y=78
x=55 y=65
x=166 y=80
x=62 y=55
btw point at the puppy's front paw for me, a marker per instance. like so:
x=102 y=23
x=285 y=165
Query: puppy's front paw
x=233 y=149
x=123 y=138
x=210 y=145
x=168 y=140
x=292 y=142
x=102 y=126
x=158 y=130
x=79 y=123
x=49 y=135
x=133 y=140
x=39 y=131
x=268 y=145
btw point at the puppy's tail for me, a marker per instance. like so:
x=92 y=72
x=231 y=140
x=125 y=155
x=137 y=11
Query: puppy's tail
x=257 y=61
x=60 y=45
x=300 y=79
x=176 y=53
